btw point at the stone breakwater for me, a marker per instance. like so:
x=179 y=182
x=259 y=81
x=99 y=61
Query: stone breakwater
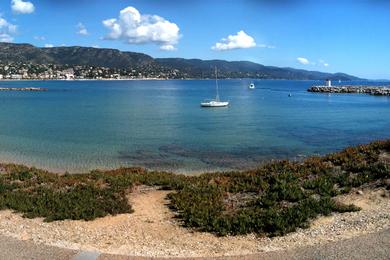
x=371 y=90
x=23 y=89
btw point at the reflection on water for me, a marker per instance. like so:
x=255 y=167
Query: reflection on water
x=79 y=126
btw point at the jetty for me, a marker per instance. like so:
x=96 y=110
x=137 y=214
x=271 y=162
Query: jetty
x=23 y=89
x=349 y=89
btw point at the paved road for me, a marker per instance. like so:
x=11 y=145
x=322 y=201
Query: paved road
x=12 y=249
x=372 y=246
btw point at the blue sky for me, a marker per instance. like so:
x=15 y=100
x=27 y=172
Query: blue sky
x=348 y=36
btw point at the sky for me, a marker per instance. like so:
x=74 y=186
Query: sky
x=351 y=36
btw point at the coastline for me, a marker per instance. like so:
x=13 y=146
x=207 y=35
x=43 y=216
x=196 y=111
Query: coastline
x=84 y=170
x=70 y=80
x=166 y=79
x=148 y=224
x=28 y=161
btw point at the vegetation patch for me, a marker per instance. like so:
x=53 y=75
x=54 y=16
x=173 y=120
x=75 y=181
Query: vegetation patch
x=282 y=196
x=274 y=199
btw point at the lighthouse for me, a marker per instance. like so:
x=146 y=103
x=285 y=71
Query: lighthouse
x=328 y=83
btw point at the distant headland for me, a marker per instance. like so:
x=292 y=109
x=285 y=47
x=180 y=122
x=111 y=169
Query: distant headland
x=25 y=61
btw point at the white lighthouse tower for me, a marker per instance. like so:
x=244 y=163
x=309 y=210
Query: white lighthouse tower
x=328 y=83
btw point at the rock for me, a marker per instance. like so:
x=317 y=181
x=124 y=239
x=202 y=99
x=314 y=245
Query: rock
x=371 y=90
x=385 y=194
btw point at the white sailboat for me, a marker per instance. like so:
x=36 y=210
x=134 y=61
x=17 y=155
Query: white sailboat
x=215 y=102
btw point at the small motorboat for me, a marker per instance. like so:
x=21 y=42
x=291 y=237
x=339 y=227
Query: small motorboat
x=252 y=86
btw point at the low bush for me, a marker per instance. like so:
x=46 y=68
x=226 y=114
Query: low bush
x=274 y=199
x=286 y=195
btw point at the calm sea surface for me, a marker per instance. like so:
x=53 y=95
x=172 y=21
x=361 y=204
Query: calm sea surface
x=83 y=125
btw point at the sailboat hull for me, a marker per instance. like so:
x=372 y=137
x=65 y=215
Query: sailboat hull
x=214 y=104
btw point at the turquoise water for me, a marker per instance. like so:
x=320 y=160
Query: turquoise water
x=83 y=125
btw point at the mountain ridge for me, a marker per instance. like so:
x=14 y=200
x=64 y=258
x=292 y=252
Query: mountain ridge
x=186 y=68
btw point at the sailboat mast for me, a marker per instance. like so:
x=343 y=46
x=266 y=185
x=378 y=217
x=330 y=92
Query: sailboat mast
x=216 y=84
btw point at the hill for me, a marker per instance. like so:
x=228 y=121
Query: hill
x=245 y=69
x=76 y=55
x=186 y=68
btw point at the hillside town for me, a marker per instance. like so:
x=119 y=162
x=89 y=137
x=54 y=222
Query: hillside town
x=29 y=71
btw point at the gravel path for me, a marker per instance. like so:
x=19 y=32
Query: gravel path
x=152 y=231
x=371 y=246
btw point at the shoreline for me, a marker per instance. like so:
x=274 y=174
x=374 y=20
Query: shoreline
x=134 y=212
x=86 y=170
x=10 y=159
x=161 y=79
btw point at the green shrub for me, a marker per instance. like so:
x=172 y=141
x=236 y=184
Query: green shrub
x=273 y=199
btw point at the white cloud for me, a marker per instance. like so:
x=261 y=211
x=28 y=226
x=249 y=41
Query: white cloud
x=306 y=61
x=136 y=28
x=303 y=61
x=22 y=7
x=167 y=47
x=6 y=37
x=81 y=29
x=323 y=63
x=95 y=46
x=239 y=41
x=39 y=38
x=49 y=45
x=7 y=30
x=266 y=46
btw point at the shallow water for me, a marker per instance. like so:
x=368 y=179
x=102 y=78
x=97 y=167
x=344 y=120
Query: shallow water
x=83 y=125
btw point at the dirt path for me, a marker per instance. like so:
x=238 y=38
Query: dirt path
x=161 y=231
x=152 y=230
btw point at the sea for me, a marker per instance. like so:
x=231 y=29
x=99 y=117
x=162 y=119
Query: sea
x=79 y=126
